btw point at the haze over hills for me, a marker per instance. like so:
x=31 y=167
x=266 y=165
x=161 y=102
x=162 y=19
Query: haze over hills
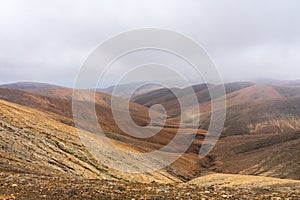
x=99 y=116
x=130 y=90
x=278 y=82
x=261 y=134
x=264 y=118
x=125 y=91
x=251 y=108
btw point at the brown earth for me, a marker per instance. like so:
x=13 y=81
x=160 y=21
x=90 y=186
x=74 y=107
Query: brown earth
x=251 y=108
x=28 y=186
x=42 y=155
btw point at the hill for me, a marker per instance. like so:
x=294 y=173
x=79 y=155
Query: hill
x=125 y=90
x=59 y=109
x=251 y=108
x=38 y=139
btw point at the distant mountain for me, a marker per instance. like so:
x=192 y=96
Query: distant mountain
x=29 y=86
x=279 y=82
x=170 y=102
x=139 y=88
x=125 y=91
x=251 y=108
x=261 y=109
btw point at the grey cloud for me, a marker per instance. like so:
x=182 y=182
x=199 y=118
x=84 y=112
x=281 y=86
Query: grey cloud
x=47 y=41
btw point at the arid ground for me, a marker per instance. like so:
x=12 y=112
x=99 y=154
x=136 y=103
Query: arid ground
x=257 y=156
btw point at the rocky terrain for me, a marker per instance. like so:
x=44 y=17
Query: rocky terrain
x=28 y=186
x=42 y=155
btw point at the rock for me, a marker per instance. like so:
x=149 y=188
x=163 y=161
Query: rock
x=211 y=187
x=10 y=197
x=267 y=189
x=157 y=198
x=14 y=185
x=73 y=192
x=121 y=188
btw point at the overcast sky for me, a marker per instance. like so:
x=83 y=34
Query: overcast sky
x=47 y=41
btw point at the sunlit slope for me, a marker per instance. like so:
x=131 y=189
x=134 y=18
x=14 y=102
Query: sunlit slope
x=59 y=110
x=243 y=181
x=34 y=142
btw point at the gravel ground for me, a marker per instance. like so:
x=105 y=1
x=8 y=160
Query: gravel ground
x=25 y=186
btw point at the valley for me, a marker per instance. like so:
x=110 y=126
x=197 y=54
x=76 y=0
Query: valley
x=255 y=157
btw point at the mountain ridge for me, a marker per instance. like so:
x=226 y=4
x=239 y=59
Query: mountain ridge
x=38 y=138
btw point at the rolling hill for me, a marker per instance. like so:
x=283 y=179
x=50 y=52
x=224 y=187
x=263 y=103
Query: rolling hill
x=59 y=109
x=260 y=139
x=251 y=108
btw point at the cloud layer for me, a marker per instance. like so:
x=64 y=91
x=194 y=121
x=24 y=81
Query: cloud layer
x=47 y=41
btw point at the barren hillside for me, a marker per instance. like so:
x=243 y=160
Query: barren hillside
x=39 y=146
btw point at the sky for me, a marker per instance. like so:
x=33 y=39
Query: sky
x=48 y=41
